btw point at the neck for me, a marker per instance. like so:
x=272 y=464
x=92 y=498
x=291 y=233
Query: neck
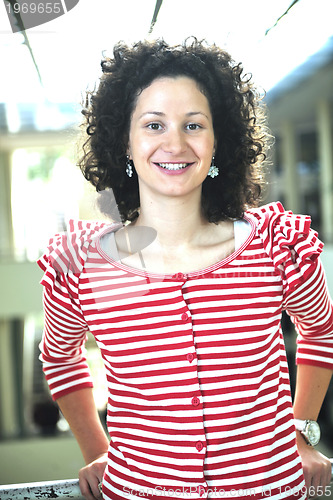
x=176 y=220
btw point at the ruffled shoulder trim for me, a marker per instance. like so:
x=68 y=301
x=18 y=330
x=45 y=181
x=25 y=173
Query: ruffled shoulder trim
x=289 y=241
x=67 y=251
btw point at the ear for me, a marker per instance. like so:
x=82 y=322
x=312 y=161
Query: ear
x=127 y=146
x=128 y=152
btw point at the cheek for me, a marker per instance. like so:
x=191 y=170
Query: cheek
x=141 y=147
x=207 y=150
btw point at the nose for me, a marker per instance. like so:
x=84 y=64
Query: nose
x=174 y=141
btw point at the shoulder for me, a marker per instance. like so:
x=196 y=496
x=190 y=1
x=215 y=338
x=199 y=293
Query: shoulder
x=68 y=250
x=281 y=229
x=267 y=215
x=288 y=239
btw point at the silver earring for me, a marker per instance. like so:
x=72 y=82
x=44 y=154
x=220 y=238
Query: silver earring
x=213 y=170
x=129 y=168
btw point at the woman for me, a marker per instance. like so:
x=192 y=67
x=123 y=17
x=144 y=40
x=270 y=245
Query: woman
x=185 y=301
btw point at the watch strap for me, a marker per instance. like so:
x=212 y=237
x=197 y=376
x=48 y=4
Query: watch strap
x=309 y=429
x=300 y=424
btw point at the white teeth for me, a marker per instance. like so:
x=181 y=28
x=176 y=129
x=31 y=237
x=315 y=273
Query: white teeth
x=173 y=166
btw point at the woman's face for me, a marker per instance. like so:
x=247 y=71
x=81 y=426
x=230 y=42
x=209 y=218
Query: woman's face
x=171 y=137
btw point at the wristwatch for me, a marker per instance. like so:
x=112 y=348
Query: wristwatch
x=309 y=429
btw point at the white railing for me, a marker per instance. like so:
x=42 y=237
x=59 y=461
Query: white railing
x=61 y=490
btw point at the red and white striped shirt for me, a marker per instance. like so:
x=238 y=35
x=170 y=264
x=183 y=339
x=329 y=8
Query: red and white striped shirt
x=199 y=398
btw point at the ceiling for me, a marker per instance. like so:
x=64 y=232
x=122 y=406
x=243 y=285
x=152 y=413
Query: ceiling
x=296 y=97
x=68 y=49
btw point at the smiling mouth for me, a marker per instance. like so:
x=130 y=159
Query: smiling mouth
x=173 y=166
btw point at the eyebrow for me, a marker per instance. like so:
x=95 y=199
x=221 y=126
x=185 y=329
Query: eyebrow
x=160 y=113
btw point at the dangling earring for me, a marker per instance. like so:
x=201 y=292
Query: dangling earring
x=129 y=168
x=213 y=170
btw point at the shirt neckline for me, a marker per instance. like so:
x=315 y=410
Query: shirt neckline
x=179 y=275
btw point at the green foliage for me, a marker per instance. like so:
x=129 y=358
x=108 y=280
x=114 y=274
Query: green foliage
x=44 y=167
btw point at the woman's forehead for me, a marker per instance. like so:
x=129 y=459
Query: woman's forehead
x=166 y=90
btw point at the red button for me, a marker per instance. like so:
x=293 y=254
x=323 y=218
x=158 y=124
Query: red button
x=195 y=401
x=199 y=446
x=201 y=490
x=190 y=357
x=184 y=317
x=180 y=276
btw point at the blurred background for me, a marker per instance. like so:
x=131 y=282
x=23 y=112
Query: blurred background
x=45 y=71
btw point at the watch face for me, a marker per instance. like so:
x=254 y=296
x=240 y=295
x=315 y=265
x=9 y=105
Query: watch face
x=313 y=433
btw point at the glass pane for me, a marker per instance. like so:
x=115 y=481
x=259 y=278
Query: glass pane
x=46 y=188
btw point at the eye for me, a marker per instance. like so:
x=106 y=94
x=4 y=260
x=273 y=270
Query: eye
x=154 y=126
x=193 y=126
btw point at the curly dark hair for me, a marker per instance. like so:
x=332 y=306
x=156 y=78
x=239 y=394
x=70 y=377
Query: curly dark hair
x=236 y=108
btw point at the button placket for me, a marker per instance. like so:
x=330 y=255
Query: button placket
x=200 y=445
x=186 y=317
